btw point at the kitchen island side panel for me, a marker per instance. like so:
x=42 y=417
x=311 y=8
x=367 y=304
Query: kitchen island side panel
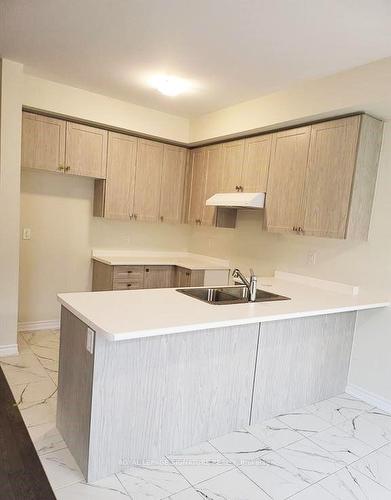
x=155 y=395
x=300 y=362
x=74 y=387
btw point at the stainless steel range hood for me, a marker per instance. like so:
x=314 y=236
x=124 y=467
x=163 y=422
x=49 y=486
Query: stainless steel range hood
x=237 y=200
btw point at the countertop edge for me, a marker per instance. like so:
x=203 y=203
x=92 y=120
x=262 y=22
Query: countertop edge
x=137 y=334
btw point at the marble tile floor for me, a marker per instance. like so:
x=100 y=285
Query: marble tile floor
x=336 y=449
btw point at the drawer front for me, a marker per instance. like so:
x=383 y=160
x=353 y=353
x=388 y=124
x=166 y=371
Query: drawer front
x=129 y=273
x=131 y=285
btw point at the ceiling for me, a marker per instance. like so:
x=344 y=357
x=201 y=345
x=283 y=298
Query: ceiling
x=233 y=50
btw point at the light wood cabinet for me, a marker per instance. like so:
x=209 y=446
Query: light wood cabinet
x=256 y=163
x=287 y=173
x=341 y=177
x=106 y=277
x=212 y=182
x=232 y=165
x=186 y=277
x=159 y=276
x=245 y=165
x=148 y=181
x=172 y=187
x=322 y=178
x=86 y=150
x=197 y=186
x=205 y=182
x=43 y=142
x=121 y=171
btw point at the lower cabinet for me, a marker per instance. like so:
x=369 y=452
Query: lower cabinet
x=106 y=277
x=159 y=276
x=187 y=277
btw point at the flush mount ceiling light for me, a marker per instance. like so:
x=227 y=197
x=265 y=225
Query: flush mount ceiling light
x=170 y=85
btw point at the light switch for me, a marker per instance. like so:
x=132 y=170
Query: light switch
x=26 y=233
x=90 y=340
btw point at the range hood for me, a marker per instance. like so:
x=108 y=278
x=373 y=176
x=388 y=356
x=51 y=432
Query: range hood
x=237 y=200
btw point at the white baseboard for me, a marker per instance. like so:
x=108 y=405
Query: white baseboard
x=31 y=326
x=9 y=350
x=369 y=397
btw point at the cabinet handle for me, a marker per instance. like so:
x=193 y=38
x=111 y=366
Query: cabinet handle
x=161 y=218
x=67 y=168
x=135 y=216
x=237 y=188
x=187 y=274
x=129 y=285
x=61 y=167
x=241 y=189
x=130 y=272
x=147 y=270
x=130 y=216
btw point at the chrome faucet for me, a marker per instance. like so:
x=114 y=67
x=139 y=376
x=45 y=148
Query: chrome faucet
x=251 y=285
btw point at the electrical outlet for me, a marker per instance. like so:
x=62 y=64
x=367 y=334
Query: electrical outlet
x=90 y=340
x=26 y=233
x=311 y=257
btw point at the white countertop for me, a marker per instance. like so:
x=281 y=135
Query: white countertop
x=125 y=315
x=182 y=259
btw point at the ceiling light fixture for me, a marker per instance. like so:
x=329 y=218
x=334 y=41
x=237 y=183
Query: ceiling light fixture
x=170 y=85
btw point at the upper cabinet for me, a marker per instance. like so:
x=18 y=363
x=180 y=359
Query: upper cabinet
x=245 y=165
x=86 y=150
x=43 y=142
x=285 y=189
x=172 y=188
x=256 y=162
x=205 y=182
x=231 y=168
x=149 y=167
x=322 y=178
x=120 y=181
x=197 y=185
x=319 y=179
x=57 y=145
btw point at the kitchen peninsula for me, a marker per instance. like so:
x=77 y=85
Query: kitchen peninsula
x=144 y=373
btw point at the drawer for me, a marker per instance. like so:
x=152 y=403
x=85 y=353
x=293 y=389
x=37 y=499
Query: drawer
x=123 y=285
x=128 y=273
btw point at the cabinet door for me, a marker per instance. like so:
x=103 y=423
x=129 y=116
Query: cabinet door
x=182 y=277
x=330 y=172
x=43 y=142
x=121 y=168
x=86 y=151
x=256 y=164
x=158 y=276
x=148 y=180
x=173 y=183
x=212 y=183
x=198 y=183
x=232 y=163
x=285 y=188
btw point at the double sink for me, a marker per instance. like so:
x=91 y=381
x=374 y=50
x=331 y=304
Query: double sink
x=235 y=294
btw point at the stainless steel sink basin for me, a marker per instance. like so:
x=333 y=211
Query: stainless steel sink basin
x=229 y=295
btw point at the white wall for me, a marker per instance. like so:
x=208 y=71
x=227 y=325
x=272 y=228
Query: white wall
x=58 y=210
x=71 y=101
x=10 y=123
x=365 y=88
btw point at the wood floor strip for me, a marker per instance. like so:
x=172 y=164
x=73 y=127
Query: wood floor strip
x=22 y=476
